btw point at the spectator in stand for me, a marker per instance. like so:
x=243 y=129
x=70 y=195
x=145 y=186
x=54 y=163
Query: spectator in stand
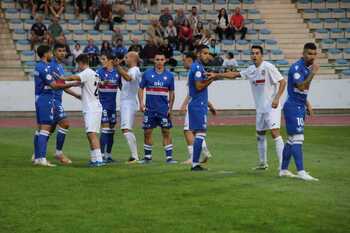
x=92 y=50
x=148 y=52
x=24 y=4
x=38 y=32
x=55 y=30
x=230 y=62
x=237 y=24
x=106 y=48
x=56 y=7
x=179 y=19
x=171 y=34
x=81 y=6
x=155 y=32
x=135 y=5
x=194 y=18
x=135 y=46
x=119 y=9
x=222 y=24
x=119 y=50
x=165 y=17
x=168 y=51
x=77 y=50
x=198 y=31
x=39 y=5
x=116 y=36
x=205 y=40
x=214 y=48
x=186 y=36
x=93 y=9
x=104 y=15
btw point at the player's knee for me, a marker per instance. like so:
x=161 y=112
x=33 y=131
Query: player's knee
x=260 y=137
x=296 y=138
x=125 y=131
x=275 y=133
x=261 y=133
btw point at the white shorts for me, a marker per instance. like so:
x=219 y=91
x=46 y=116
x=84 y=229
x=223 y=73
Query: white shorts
x=127 y=115
x=92 y=121
x=268 y=120
x=187 y=123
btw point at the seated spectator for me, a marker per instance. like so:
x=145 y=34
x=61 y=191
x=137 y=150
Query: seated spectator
x=38 y=32
x=165 y=17
x=135 y=46
x=119 y=9
x=230 y=62
x=77 y=50
x=194 y=18
x=148 y=52
x=81 y=6
x=116 y=36
x=92 y=50
x=135 y=5
x=237 y=24
x=119 y=50
x=222 y=24
x=39 y=5
x=168 y=52
x=198 y=31
x=104 y=15
x=179 y=19
x=55 y=30
x=205 y=40
x=155 y=32
x=24 y=4
x=214 y=48
x=171 y=34
x=185 y=36
x=93 y=9
x=56 y=7
x=106 y=48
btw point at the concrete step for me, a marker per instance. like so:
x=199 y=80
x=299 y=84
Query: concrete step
x=10 y=63
x=9 y=57
x=293 y=36
x=294 y=40
x=5 y=36
x=13 y=78
x=9 y=46
x=275 y=6
x=281 y=10
x=280 y=16
x=290 y=30
x=278 y=25
x=283 y=21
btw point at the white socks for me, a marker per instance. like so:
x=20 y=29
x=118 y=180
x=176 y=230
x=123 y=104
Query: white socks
x=96 y=155
x=205 y=150
x=279 y=149
x=131 y=139
x=262 y=148
x=190 y=151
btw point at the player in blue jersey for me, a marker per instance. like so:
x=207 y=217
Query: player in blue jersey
x=108 y=87
x=198 y=104
x=60 y=117
x=45 y=86
x=158 y=85
x=300 y=76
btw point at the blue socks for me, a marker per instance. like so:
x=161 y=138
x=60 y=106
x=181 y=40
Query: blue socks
x=294 y=146
x=104 y=139
x=148 y=151
x=287 y=154
x=60 y=137
x=197 y=148
x=110 y=141
x=169 y=151
x=43 y=137
x=36 y=146
x=297 y=151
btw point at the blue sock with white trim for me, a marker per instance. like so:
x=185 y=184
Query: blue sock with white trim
x=197 y=149
x=110 y=141
x=43 y=138
x=287 y=154
x=297 y=151
x=169 y=151
x=148 y=151
x=104 y=140
x=36 y=146
x=60 y=138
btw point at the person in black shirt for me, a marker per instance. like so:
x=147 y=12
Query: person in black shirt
x=135 y=46
x=38 y=32
x=38 y=5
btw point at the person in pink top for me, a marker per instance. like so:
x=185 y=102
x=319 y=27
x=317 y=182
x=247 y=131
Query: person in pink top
x=186 y=36
x=237 y=24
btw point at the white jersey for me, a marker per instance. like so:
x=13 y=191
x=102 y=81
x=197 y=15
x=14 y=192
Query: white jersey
x=264 y=83
x=89 y=95
x=130 y=88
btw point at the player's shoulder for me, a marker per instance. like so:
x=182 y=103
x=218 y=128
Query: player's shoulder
x=297 y=66
x=268 y=65
x=168 y=73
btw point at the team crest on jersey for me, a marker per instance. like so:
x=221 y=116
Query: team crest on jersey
x=198 y=74
x=165 y=78
x=296 y=76
x=49 y=77
x=263 y=72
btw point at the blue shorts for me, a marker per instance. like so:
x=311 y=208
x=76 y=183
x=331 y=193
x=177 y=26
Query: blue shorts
x=153 y=119
x=44 y=111
x=58 y=112
x=294 y=115
x=109 y=117
x=197 y=117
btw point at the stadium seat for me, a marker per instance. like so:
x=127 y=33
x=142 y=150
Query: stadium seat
x=166 y=3
x=330 y=23
x=344 y=23
x=211 y=15
x=328 y=44
x=107 y=35
x=249 y=24
x=95 y=35
x=207 y=5
x=179 y=4
x=345 y=73
x=88 y=25
x=191 y=3
x=183 y=75
x=69 y=15
x=347 y=33
x=270 y=44
x=304 y=4
x=318 y=4
x=252 y=34
x=233 y=4
x=245 y=55
x=348 y=13
x=129 y=16
x=324 y=13
x=334 y=54
x=27 y=56
x=248 y=4
x=132 y=25
x=125 y=35
x=265 y=34
x=341 y=63
x=276 y=54
x=257 y=42
x=28 y=23
x=336 y=33
x=71 y=44
x=22 y=45
x=242 y=45
x=142 y=16
x=344 y=4
x=253 y=14
x=281 y=63
x=138 y=34
x=343 y=43
x=227 y=45
x=177 y=55
x=5 y=4
x=63 y=24
x=258 y=24
x=11 y=13
x=236 y=54
x=19 y=34
x=309 y=14
x=79 y=35
x=332 y=4
x=321 y=34
x=74 y=25
x=68 y=35
x=220 y=4
x=15 y=24
x=83 y=43
x=315 y=24
x=25 y=14
x=338 y=13
x=29 y=66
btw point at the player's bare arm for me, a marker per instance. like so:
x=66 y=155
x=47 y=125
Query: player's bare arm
x=72 y=93
x=309 y=109
x=306 y=84
x=122 y=71
x=171 y=102
x=58 y=85
x=140 y=96
x=276 y=100
x=212 y=108
x=184 y=104
x=225 y=75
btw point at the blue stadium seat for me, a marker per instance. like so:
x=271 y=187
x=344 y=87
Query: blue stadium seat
x=95 y=35
x=330 y=23
x=242 y=45
x=318 y=4
x=179 y=4
x=15 y=24
x=68 y=35
x=232 y=4
x=107 y=35
x=282 y=62
x=257 y=42
x=177 y=55
x=191 y=3
x=242 y=63
x=345 y=73
x=249 y=24
x=344 y=23
x=27 y=55
x=321 y=34
x=258 y=24
x=343 y=43
x=227 y=45
x=69 y=15
x=248 y=4
x=125 y=35
x=253 y=14
x=19 y=34
x=183 y=75
x=236 y=54
x=252 y=34
x=28 y=23
x=344 y=4
x=132 y=25
x=11 y=13
x=310 y=14
x=207 y=5
x=141 y=16
x=7 y=4
x=88 y=24
x=63 y=24
x=324 y=13
x=166 y=3
x=315 y=23
x=245 y=55
x=304 y=4
x=145 y=25
x=71 y=44
x=332 y=4
x=79 y=35
x=336 y=33
x=74 y=25
x=211 y=15
x=271 y=44
x=338 y=13
x=276 y=54
x=22 y=45
x=342 y=62
x=129 y=16
x=220 y=4
x=347 y=33
x=265 y=34
x=83 y=43
x=25 y=14
x=138 y=34
x=328 y=44
x=334 y=54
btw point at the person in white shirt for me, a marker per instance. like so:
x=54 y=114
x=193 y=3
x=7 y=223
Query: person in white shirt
x=267 y=86
x=128 y=100
x=229 y=61
x=91 y=106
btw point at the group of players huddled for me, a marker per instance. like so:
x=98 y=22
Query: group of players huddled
x=153 y=93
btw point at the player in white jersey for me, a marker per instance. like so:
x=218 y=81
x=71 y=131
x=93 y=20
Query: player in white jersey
x=91 y=106
x=128 y=101
x=267 y=86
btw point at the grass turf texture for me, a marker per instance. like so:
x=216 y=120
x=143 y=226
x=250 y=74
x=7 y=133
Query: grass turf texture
x=230 y=197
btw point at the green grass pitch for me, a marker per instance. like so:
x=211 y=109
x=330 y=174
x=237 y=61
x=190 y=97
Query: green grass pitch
x=160 y=198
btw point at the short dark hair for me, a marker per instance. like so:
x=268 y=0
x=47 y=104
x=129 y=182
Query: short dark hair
x=42 y=49
x=310 y=45
x=159 y=53
x=258 y=47
x=190 y=55
x=82 y=58
x=59 y=46
x=108 y=55
x=201 y=47
x=230 y=55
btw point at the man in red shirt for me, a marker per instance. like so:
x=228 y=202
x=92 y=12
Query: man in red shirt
x=237 y=24
x=104 y=15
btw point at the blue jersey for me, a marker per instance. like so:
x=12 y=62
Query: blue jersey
x=91 y=49
x=57 y=71
x=298 y=72
x=42 y=80
x=119 y=51
x=157 y=89
x=197 y=98
x=108 y=86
